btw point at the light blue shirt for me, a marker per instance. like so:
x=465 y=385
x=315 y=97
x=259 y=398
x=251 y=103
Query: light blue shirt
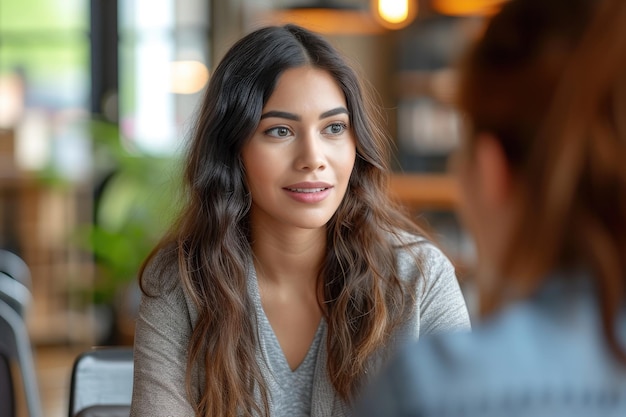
x=543 y=357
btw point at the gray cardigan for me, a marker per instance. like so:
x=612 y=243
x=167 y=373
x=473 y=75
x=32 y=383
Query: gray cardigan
x=165 y=323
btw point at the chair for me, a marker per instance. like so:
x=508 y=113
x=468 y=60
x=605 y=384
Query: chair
x=105 y=411
x=15 y=281
x=102 y=383
x=15 y=267
x=15 y=349
x=15 y=294
x=7 y=391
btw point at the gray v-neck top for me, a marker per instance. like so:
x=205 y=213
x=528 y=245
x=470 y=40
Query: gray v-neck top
x=165 y=322
x=292 y=398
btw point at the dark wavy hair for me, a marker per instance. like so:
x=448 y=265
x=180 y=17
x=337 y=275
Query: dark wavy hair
x=363 y=298
x=548 y=80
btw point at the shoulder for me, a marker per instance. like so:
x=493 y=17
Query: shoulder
x=421 y=262
x=503 y=342
x=423 y=376
x=439 y=304
x=160 y=275
x=415 y=253
x=520 y=356
x=165 y=300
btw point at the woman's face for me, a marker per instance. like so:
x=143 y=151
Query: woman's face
x=299 y=159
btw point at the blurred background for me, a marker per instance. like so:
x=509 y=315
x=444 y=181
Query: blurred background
x=97 y=96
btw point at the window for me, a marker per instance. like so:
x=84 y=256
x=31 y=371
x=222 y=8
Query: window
x=164 y=61
x=44 y=83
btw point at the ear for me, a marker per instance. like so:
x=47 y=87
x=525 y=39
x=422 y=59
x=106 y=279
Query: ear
x=493 y=171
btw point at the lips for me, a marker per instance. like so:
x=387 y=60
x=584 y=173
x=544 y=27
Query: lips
x=308 y=192
x=308 y=187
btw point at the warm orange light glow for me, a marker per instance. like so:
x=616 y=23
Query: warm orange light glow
x=188 y=77
x=327 y=21
x=394 y=14
x=467 y=7
x=393 y=11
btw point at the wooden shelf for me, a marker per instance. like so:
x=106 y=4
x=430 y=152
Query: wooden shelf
x=38 y=222
x=424 y=191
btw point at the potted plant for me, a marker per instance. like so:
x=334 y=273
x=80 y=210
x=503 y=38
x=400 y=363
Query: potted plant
x=134 y=201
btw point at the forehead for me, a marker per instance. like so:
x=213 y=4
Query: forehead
x=306 y=88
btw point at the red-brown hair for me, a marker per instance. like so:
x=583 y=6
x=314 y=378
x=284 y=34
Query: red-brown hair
x=548 y=80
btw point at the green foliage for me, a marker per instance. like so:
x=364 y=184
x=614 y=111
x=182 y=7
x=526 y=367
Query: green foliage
x=48 y=40
x=44 y=15
x=135 y=208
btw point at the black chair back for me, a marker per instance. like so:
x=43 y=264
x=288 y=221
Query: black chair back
x=102 y=382
x=7 y=388
x=15 y=294
x=105 y=411
x=15 y=348
x=14 y=266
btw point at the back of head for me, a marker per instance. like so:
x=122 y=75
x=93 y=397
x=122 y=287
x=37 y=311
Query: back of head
x=548 y=80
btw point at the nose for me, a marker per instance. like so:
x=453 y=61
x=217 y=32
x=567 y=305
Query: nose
x=311 y=153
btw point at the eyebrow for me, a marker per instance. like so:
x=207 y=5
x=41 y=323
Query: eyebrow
x=295 y=117
x=333 y=112
x=280 y=114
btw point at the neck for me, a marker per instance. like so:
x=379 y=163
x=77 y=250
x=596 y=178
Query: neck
x=292 y=257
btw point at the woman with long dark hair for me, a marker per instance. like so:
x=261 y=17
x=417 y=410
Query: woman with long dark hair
x=289 y=275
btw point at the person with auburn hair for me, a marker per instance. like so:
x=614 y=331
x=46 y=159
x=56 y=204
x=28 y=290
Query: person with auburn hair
x=542 y=175
x=289 y=276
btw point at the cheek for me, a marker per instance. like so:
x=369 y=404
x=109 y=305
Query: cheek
x=349 y=162
x=344 y=169
x=348 y=167
x=346 y=159
x=467 y=191
x=255 y=165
